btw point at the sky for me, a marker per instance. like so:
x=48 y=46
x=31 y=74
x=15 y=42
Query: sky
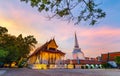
x=20 y=18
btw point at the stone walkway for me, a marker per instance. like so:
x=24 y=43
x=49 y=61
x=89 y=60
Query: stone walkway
x=82 y=72
x=22 y=72
x=60 y=72
x=2 y=72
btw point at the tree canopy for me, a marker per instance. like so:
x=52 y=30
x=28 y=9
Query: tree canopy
x=12 y=48
x=3 y=30
x=3 y=53
x=71 y=10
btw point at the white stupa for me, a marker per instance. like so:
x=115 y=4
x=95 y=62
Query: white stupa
x=77 y=53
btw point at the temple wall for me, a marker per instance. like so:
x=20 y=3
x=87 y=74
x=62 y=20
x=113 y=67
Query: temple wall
x=45 y=58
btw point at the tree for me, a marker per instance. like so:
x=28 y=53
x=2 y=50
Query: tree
x=71 y=10
x=14 y=48
x=8 y=43
x=30 y=42
x=117 y=60
x=25 y=44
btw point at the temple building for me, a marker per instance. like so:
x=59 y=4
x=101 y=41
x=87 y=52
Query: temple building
x=77 y=53
x=47 y=54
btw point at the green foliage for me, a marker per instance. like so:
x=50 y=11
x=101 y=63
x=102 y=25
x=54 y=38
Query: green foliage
x=12 y=48
x=117 y=60
x=72 y=10
x=3 y=30
x=105 y=65
x=3 y=53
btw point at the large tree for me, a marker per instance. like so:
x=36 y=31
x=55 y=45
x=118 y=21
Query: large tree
x=13 y=48
x=71 y=10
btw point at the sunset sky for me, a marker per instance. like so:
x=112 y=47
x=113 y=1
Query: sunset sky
x=20 y=18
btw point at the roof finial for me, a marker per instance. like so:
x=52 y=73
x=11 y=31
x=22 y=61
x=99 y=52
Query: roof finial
x=53 y=37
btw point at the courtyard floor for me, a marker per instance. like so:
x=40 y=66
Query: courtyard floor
x=59 y=72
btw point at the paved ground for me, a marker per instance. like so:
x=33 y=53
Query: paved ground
x=2 y=72
x=22 y=72
x=59 y=72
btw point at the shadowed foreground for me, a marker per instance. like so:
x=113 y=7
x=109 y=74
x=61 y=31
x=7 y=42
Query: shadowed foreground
x=61 y=72
x=22 y=72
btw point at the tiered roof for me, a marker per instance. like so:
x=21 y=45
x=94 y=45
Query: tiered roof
x=44 y=48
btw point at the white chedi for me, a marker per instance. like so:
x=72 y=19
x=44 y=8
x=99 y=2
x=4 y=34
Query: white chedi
x=80 y=55
x=77 y=53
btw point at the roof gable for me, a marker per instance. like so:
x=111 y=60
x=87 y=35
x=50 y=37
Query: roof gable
x=52 y=44
x=47 y=45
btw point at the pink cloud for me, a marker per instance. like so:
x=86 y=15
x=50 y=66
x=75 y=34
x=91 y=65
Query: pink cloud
x=102 y=37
